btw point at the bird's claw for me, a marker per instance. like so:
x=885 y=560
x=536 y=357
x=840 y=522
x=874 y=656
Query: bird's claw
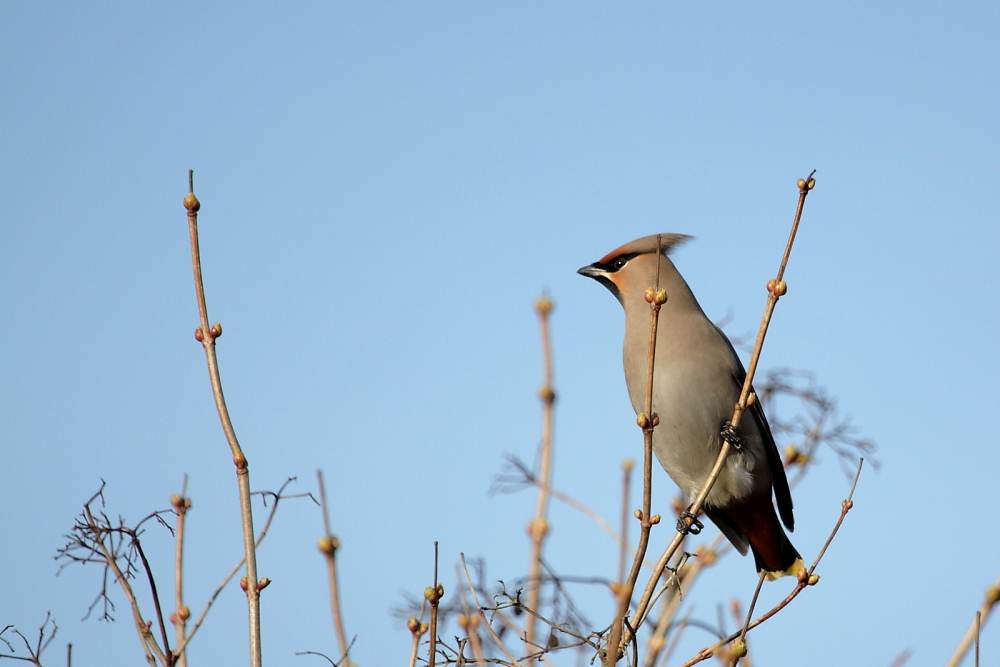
x=729 y=435
x=689 y=523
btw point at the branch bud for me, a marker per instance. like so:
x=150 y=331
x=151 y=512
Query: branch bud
x=656 y=420
x=413 y=625
x=627 y=465
x=777 y=288
x=638 y=514
x=547 y=395
x=813 y=579
x=243 y=584
x=216 y=330
x=184 y=613
x=537 y=528
x=199 y=336
x=660 y=297
x=543 y=305
x=328 y=544
x=847 y=505
x=751 y=399
x=177 y=501
x=992 y=594
x=738 y=650
x=803 y=576
x=650 y=294
x=263 y=583
x=191 y=203
x=642 y=420
x=240 y=461
x=655 y=519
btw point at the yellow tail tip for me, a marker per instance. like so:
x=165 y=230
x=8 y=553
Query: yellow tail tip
x=792 y=571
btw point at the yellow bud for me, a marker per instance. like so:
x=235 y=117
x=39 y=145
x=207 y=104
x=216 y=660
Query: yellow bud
x=638 y=514
x=738 y=649
x=543 y=305
x=811 y=183
x=627 y=465
x=655 y=519
x=429 y=593
x=184 y=613
x=801 y=183
x=813 y=579
x=660 y=297
x=546 y=394
x=642 y=420
x=176 y=501
x=191 y=202
x=781 y=288
x=847 y=505
x=802 y=575
x=650 y=294
x=216 y=330
x=413 y=625
x=993 y=594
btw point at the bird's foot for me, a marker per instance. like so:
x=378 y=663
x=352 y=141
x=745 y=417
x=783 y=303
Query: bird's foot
x=689 y=523
x=729 y=435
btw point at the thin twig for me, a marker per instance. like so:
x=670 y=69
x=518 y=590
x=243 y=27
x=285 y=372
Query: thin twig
x=992 y=596
x=232 y=573
x=207 y=337
x=149 y=645
x=647 y=421
x=776 y=288
x=805 y=578
x=329 y=545
x=434 y=595
x=181 y=613
x=539 y=526
x=482 y=615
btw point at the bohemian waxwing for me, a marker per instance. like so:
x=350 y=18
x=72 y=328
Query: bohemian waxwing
x=697 y=380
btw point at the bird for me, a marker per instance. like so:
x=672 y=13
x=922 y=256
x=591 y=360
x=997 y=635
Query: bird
x=697 y=380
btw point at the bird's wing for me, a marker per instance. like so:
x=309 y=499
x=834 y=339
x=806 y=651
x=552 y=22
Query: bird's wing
x=779 y=481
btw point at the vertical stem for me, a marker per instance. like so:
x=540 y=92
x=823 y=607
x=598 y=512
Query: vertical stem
x=181 y=505
x=627 y=466
x=329 y=545
x=538 y=528
x=647 y=421
x=434 y=596
x=207 y=338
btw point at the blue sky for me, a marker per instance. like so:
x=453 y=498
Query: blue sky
x=385 y=190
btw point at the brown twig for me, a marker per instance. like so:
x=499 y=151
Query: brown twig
x=627 y=466
x=971 y=635
x=805 y=578
x=149 y=645
x=776 y=288
x=482 y=615
x=647 y=421
x=207 y=337
x=34 y=652
x=434 y=595
x=232 y=573
x=181 y=613
x=539 y=526
x=329 y=545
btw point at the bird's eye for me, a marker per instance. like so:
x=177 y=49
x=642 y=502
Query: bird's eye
x=618 y=262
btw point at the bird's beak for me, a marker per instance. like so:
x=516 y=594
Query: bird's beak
x=594 y=271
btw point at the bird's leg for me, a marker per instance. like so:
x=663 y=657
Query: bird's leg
x=689 y=523
x=729 y=435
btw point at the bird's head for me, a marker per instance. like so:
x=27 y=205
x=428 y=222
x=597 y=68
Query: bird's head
x=629 y=270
